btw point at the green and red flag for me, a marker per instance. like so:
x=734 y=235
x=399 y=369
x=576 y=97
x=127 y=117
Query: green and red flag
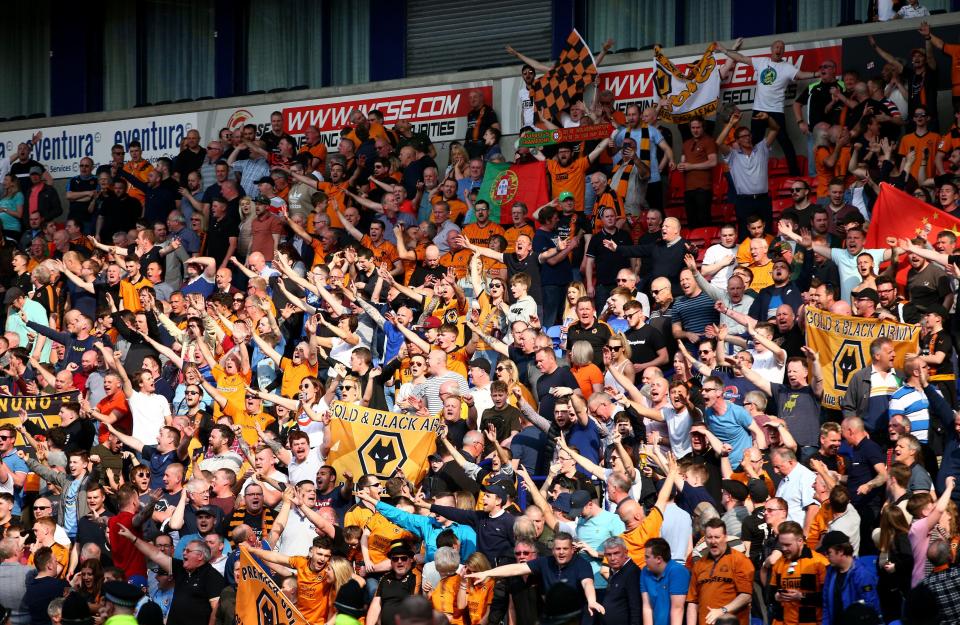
x=505 y=184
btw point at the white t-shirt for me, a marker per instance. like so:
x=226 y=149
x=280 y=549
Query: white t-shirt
x=772 y=80
x=885 y=10
x=149 y=414
x=526 y=106
x=314 y=429
x=306 y=470
x=766 y=365
x=714 y=254
x=678 y=427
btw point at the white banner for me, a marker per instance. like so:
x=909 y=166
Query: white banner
x=440 y=111
x=61 y=147
x=689 y=94
x=634 y=83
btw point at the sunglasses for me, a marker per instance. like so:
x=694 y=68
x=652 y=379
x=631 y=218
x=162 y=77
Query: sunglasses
x=191 y=393
x=399 y=558
x=523 y=553
x=7 y=438
x=613 y=348
x=797 y=190
x=41 y=507
x=348 y=387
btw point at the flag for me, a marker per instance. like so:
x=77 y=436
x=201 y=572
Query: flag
x=694 y=93
x=259 y=599
x=505 y=184
x=843 y=346
x=376 y=442
x=575 y=69
x=900 y=215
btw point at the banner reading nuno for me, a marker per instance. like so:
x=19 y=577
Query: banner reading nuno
x=259 y=600
x=843 y=345
x=377 y=442
x=44 y=410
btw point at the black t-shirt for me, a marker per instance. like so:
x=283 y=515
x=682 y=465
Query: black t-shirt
x=938 y=342
x=754 y=529
x=188 y=161
x=192 y=592
x=79 y=209
x=21 y=171
x=608 y=264
x=597 y=335
x=503 y=421
x=791 y=341
x=571 y=574
x=120 y=214
x=272 y=140
x=530 y=266
x=90 y=531
x=549 y=381
x=218 y=237
x=392 y=592
x=575 y=223
x=644 y=342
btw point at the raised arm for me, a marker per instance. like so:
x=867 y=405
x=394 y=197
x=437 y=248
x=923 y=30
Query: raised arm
x=736 y=56
x=479 y=249
x=886 y=56
x=143 y=546
x=532 y=62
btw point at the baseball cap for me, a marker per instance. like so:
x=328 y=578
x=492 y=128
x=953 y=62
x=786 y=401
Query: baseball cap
x=870 y=294
x=758 y=491
x=566 y=195
x=207 y=510
x=578 y=499
x=36 y=169
x=266 y=180
x=833 y=538
x=937 y=309
x=12 y=294
x=737 y=490
x=562 y=503
x=497 y=490
x=431 y=323
x=480 y=363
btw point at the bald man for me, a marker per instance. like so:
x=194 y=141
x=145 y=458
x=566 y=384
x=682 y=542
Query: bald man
x=665 y=256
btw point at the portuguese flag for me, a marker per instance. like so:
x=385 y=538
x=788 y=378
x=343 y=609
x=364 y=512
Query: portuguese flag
x=504 y=184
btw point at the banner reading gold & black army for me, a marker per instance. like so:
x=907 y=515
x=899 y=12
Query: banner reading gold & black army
x=843 y=344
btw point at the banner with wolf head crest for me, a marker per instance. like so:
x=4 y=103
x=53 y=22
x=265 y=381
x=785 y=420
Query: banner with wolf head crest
x=843 y=346
x=381 y=443
x=688 y=94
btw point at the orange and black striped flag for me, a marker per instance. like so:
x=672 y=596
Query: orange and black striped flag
x=553 y=92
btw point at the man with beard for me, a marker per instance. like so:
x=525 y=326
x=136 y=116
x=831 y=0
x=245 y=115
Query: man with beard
x=569 y=174
x=782 y=291
x=396 y=585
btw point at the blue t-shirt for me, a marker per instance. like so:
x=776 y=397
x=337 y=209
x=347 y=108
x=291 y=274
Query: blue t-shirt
x=674 y=581
x=14 y=464
x=731 y=428
x=559 y=274
x=585 y=438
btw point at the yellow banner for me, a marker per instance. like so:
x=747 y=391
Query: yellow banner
x=44 y=410
x=843 y=345
x=380 y=443
x=259 y=600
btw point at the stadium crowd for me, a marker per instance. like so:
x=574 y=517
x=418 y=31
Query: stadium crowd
x=632 y=430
